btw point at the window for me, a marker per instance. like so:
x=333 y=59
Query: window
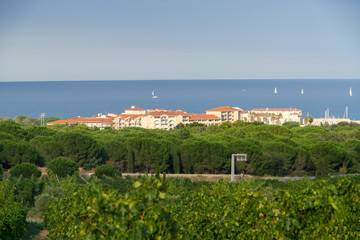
x=164 y=121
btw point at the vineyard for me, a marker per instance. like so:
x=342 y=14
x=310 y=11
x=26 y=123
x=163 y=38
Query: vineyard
x=109 y=206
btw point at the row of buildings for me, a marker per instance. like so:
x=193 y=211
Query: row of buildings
x=168 y=119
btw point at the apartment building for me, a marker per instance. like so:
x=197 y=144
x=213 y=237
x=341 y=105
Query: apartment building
x=127 y=120
x=206 y=119
x=164 y=119
x=135 y=111
x=169 y=119
x=150 y=119
x=279 y=115
x=225 y=113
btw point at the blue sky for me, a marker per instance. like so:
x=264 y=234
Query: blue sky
x=54 y=40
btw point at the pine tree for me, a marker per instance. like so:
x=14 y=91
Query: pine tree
x=130 y=160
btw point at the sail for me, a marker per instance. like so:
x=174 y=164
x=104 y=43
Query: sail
x=302 y=91
x=350 y=92
x=275 y=91
x=153 y=94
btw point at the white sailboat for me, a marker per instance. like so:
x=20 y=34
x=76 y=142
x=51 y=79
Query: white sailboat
x=302 y=91
x=153 y=94
x=350 y=92
x=275 y=91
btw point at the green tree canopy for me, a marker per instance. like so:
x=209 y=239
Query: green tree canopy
x=15 y=129
x=15 y=152
x=62 y=166
x=12 y=214
x=291 y=124
x=79 y=147
x=308 y=119
x=25 y=170
x=328 y=157
x=106 y=170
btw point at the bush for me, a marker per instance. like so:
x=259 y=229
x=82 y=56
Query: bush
x=95 y=213
x=12 y=214
x=26 y=189
x=62 y=166
x=106 y=170
x=291 y=124
x=1 y=171
x=27 y=170
x=93 y=163
x=50 y=194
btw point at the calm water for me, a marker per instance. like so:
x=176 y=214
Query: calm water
x=87 y=98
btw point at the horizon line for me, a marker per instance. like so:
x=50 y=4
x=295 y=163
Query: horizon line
x=179 y=79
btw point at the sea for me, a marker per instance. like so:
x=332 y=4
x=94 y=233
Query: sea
x=65 y=99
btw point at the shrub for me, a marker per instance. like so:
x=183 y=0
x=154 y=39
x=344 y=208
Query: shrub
x=50 y=194
x=12 y=214
x=62 y=166
x=95 y=213
x=27 y=170
x=93 y=163
x=1 y=171
x=291 y=124
x=106 y=170
x=25 y=191
x=212 y=216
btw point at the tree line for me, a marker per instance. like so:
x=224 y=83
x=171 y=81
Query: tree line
x=195 y=148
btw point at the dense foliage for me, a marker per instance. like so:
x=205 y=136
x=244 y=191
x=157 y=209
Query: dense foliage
x=304 y=209
x=62 y=167
x=94 y=213
x=106 y=171
x=12 y=214
x=114 y=207
x=271 y=149
x=25 y=170
x=229 y=211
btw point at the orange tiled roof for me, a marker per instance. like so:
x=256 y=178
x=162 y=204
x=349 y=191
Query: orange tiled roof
x=224 y=109
x=94 y=120
x=67 y=121
x=134 y=117
x=203 y=117
x=81 y=120
x=107 y=120
x=135 y=109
